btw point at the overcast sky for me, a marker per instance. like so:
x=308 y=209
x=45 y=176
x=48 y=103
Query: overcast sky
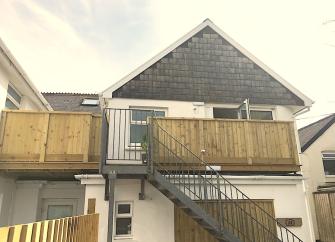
x=87 y=45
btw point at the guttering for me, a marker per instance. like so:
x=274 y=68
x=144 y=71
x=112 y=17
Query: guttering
x=88 y=176
x=301 y=111
x=13 y=62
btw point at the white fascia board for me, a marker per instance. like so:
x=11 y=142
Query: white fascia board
x=21 y=73
x=108 y=92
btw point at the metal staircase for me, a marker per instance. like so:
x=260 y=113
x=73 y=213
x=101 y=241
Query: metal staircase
x=205 y=195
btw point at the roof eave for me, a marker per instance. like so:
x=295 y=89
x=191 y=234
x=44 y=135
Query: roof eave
x=24 y=76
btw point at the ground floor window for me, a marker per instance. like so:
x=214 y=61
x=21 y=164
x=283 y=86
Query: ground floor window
x=123 y=219
x=58 y=208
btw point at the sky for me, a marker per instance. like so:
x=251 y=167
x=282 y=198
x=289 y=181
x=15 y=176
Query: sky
x=87 y=45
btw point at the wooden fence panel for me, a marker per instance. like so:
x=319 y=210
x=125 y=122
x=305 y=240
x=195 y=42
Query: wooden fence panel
x=73 y=229
x=325 y=215
x=29 y=136
x=233 y=142
x=187 y=230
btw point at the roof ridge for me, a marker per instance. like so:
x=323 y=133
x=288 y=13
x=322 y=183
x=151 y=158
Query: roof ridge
x=70 y=93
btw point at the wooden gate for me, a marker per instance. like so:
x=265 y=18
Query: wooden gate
x=325 y=215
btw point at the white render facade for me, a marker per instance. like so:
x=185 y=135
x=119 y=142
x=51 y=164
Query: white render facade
x=138 y=91
x=24 y=96
x=313 y=168
x=153 y=218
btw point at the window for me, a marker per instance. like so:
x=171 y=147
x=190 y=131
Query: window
x=53 y=208
x=90 y=102
x=123 y=219
x=232 y=113
x=328 y=159
x=227 y=113
x=138 y=125
x=13 y=99
x=59 y=211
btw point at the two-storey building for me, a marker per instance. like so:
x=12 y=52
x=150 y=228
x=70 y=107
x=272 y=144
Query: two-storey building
x=199 y=144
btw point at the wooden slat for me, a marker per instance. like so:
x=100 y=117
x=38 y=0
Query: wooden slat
x=73 y=229
x=91 y=205
x=325 y=215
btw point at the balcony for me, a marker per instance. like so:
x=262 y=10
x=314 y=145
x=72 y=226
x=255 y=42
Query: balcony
x=49 y=141
x=223 y=144
x=232 y=145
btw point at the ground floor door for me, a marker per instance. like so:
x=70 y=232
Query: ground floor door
x=325 y=215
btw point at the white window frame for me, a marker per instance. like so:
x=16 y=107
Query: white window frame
x=12 y=99
x=59 y=202
x=90 y=102
x=128 y=215
x=265 y=110
x=137 y=146
x=252 y=108
x=327 y=158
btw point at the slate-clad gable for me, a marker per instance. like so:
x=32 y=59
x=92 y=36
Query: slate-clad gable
x=209 y=69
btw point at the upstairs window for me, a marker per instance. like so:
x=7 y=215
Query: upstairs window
x=233 y=113
x=328 y=159
x=138 y=124
x=123 y=219
x=13 y=99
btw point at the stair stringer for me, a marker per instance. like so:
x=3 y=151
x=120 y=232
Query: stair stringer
x=191 y=208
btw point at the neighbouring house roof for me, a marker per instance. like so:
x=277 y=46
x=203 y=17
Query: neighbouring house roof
x=207 y=65
x=72 y=102
x=19 y=70
x=313 y=131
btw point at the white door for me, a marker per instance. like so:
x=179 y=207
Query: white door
x=59 y=208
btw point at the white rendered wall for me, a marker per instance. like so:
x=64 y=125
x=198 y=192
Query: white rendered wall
x=154 y=217
x=8 y=75
x=313 y=167
x=4 y=80
x=7 y=193
x=194 y=109
x=30 y=195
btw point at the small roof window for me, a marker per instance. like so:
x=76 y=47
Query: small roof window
x=90 y=102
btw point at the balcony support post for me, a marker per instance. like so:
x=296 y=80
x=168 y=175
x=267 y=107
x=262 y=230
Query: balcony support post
x=141 y=195
x=104 y=141
x=111 y=182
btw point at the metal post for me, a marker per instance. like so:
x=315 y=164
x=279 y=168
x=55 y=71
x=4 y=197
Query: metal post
x=141 y=195
x=111 y=181
x=104 y=140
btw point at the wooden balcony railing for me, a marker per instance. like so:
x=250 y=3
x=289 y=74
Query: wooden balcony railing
x=235 y=145
x=49 y=140
x=78 y=228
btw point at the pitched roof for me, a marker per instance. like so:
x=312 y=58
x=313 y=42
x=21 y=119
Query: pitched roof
x=19 y=70
x=310 y=133
x=207 y=65
x=71 y=102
